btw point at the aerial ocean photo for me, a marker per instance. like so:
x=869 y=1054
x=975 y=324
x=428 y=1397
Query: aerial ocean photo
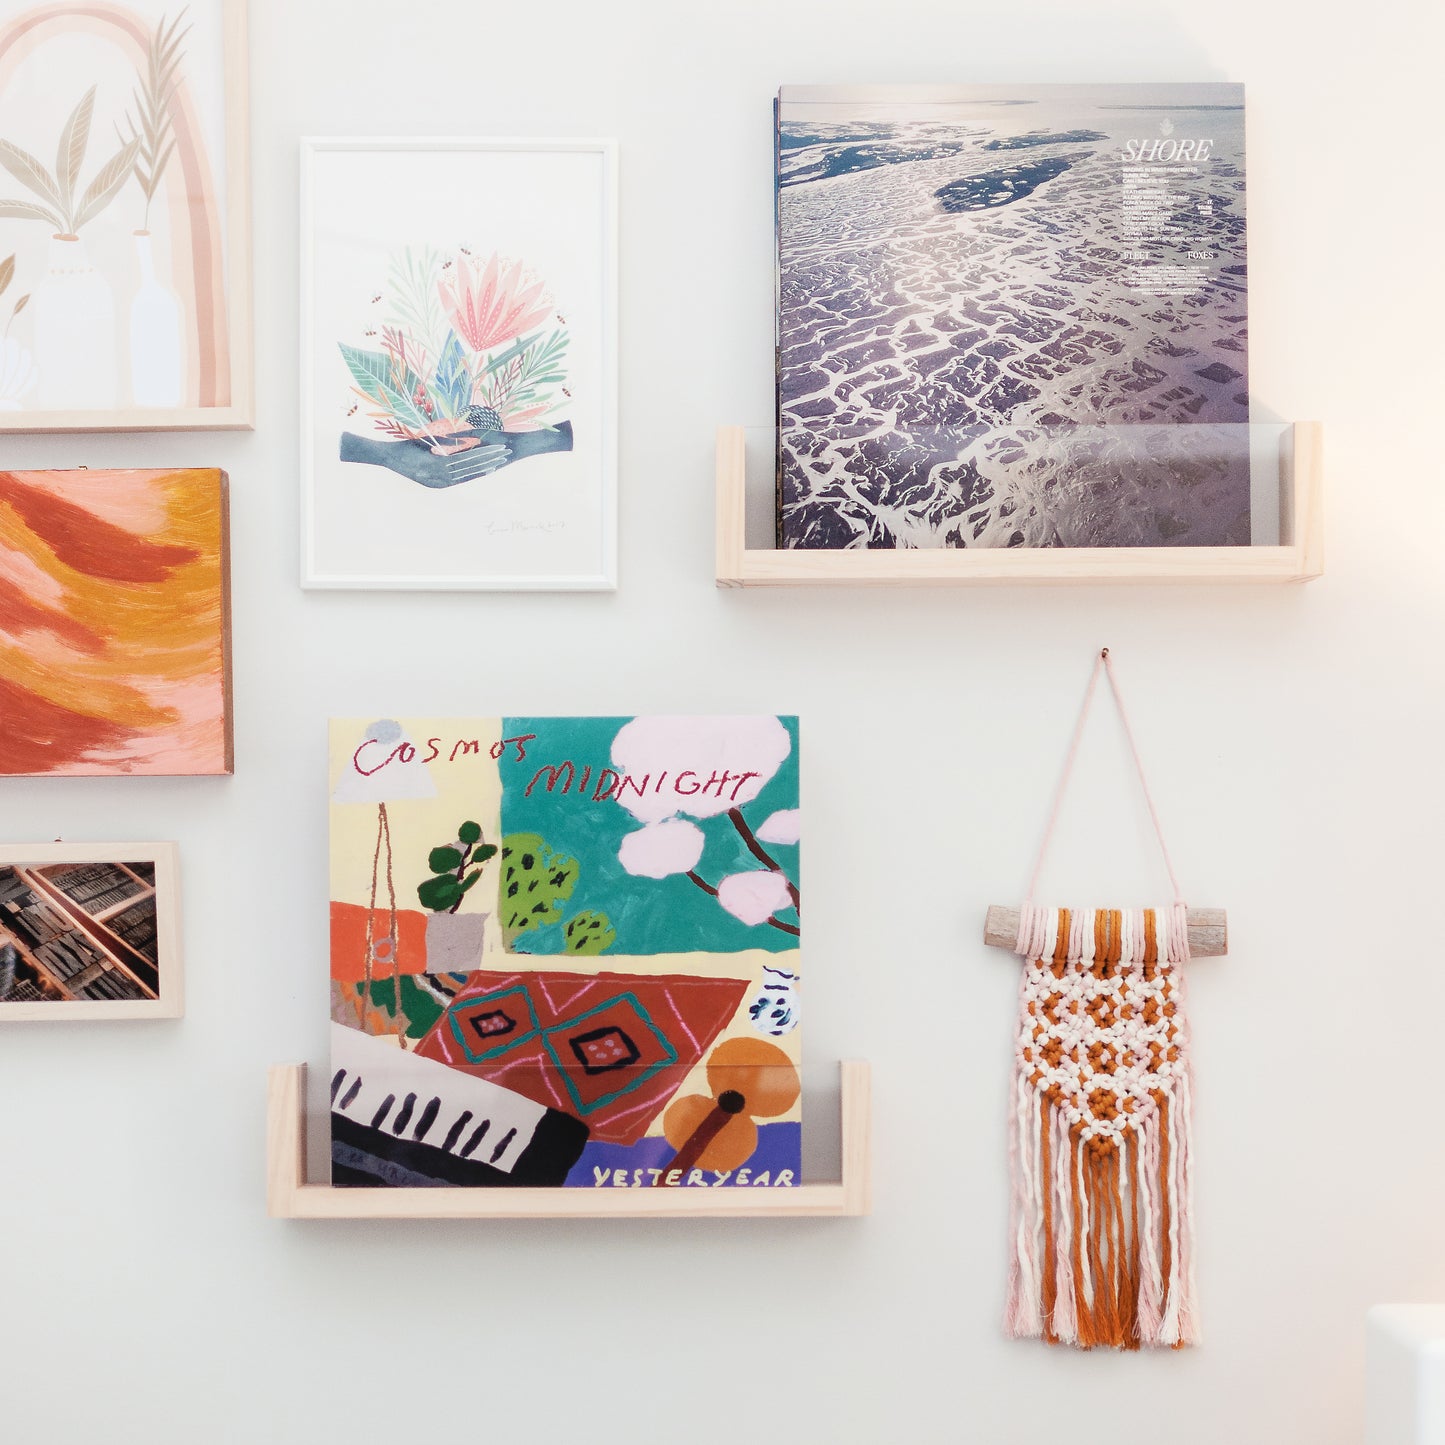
x=1012 y=317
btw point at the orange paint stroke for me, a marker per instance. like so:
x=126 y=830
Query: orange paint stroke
x=131 y=631
x=40 y=737
x=80 y=539
x=19 y=614
x=348 y=941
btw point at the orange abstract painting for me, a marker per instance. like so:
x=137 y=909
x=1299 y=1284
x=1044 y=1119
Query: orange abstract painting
x=114 y=622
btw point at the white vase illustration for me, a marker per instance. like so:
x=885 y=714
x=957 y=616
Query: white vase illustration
x=155 y=335
x=74 y=332
x=17 y=374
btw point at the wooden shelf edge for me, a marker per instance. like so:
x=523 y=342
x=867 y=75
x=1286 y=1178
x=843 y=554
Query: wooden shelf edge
x=288 y=1196
x=1302 y=561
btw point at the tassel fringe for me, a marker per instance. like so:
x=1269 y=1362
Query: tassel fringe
x=1101 y=1224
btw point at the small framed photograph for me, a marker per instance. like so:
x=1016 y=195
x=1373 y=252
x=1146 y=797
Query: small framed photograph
x=459 y=364
x=125 y=229
x=89 y=931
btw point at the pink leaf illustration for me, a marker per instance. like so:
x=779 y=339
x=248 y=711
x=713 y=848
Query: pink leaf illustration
x=491 y=302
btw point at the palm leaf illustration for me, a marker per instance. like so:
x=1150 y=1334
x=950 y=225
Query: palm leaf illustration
x=61 y=209
x=30 y=173
x=520 y=377
x=502 y=358
x=152 y=125
x=73 y=139
x=109 y=179
x=30 y=211
x=415 y=306
x=370 y=370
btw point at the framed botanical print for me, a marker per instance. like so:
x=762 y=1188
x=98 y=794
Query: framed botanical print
x=89 y=930
x=459 y=364
x=125 y=293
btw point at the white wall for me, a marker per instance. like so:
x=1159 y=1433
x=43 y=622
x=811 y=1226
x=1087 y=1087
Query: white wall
x=1294 y=735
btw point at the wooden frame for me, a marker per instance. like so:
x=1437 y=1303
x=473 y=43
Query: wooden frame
x=239 y=413
x=169 y=1001
x=1302 y=560
x=289 y=1196
x=604 y=580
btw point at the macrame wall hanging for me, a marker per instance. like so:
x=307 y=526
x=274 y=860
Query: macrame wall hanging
x=1102 y=1227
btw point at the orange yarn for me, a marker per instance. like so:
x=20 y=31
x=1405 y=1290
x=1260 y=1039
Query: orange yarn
x=1134 y=1276
x=1086 y=1333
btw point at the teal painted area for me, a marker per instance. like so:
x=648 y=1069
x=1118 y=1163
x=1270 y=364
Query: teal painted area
x=650 y=915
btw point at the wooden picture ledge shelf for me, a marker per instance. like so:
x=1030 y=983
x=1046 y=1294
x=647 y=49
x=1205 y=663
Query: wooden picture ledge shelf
x=289 y=1196
x=1301 y=516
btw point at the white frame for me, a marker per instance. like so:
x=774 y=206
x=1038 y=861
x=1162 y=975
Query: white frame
x=240 y=414
x=604 y=581
x=165 y=856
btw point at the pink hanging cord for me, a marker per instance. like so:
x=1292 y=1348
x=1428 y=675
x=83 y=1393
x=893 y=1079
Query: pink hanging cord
x=1103 y=664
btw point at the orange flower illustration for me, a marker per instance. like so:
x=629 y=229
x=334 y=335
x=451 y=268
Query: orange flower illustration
x=750 y=1079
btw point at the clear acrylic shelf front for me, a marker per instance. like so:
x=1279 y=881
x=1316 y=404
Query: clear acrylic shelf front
x=1036 y=490
x=289 y=1194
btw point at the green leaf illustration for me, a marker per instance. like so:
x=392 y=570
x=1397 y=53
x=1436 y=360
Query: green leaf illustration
x=369 y=369
x=510 y=354
x=439 y=893
x=420 y=1008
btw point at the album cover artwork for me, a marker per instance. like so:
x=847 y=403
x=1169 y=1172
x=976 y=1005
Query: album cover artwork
x=1012 y=316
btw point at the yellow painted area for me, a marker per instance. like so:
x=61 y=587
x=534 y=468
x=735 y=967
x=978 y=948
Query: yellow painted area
x=469 y=789
x=724 y=965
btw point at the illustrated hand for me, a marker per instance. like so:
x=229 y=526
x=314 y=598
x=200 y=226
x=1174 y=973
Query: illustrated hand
x=480 y=461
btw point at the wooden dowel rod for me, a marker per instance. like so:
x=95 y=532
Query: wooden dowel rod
x=1208 y=930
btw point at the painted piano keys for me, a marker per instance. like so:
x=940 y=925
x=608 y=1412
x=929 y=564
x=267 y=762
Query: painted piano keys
x=400 y=1120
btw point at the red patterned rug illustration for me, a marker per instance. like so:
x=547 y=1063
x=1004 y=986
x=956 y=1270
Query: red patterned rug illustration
x=610 y=1049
